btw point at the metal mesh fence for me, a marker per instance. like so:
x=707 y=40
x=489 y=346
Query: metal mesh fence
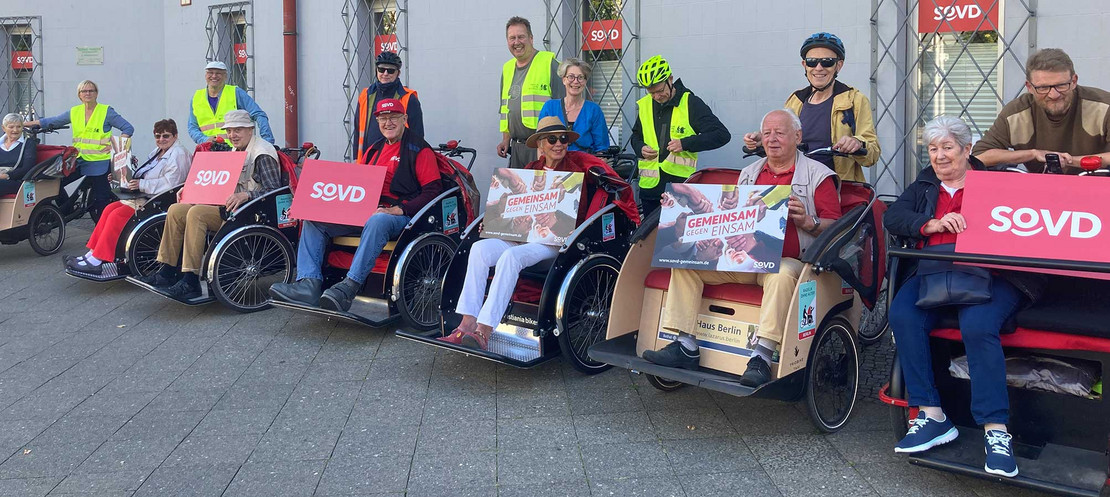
x=21 y=85
x=230 y=29
x=372 y=26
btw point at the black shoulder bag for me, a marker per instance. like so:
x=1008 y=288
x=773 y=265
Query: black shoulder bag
x=946 y=283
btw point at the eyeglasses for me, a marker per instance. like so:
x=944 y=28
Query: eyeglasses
x=825 y=62
x=563 y=138
x=575 y=77
x=387 y=70
x=163 y=136
x=390 y=118
x=87 y=91
x=1044 y=89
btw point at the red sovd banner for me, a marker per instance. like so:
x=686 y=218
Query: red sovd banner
x=947 y=16
x=386 y=43
x=240 y=53
x=23 y=59
x=1043 y=216
x=338 y=192
x=602 y=35
x=212 y=177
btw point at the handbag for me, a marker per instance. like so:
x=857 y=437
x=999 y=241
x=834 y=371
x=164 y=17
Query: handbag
x=946 y=283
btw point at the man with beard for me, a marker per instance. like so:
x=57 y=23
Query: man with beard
x=1057 y=116
x=528 y=80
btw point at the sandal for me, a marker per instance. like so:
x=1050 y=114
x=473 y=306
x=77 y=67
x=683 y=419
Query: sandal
x=474 y=340
x=454 y=338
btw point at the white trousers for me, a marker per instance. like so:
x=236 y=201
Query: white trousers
x=510 y=258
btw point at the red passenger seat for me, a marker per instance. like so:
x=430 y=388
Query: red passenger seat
x=660 y=279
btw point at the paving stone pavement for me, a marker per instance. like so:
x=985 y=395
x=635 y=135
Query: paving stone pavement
x=106 y=389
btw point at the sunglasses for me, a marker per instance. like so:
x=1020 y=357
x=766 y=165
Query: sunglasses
x=825 y=62
x=563 y=138
x=163 y=136
x=387 y=70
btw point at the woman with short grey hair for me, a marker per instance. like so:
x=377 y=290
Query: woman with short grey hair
x=947 y=127
x=575 y=111
x=17 y=155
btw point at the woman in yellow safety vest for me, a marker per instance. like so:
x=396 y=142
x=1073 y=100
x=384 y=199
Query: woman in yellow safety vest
x=91 y=123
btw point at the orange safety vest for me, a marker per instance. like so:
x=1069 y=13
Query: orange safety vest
x=364 y=104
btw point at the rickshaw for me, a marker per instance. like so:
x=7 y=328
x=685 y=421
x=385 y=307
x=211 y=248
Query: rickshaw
x=39 y=211
x=1061 y=440
x=251 y=251
x=405 y=280
x=137 y=249
x=560 y=306
x=845 y=262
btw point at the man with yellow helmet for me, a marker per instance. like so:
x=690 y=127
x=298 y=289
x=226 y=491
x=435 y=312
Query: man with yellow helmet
x=672 y=127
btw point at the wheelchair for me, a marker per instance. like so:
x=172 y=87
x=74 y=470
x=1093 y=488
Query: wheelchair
x=251 y=251
x=404 y=283
x=560 y=306
x=845 y=263
x=39 y=211
x=137 y=249
x=1061 y=439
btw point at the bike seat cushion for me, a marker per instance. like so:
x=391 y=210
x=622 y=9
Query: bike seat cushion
x=660 y=279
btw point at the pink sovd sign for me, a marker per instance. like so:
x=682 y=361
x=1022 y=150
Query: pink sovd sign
x=337 y=192
x=212 y=177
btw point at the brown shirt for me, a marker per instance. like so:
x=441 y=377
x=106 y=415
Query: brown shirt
x=1021 y=125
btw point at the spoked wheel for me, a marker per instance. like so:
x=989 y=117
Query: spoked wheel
x=872 y=323
x=46 y=229
x=247 y=264
x=832 y=376
x=664 y=384
x=421 y=277
x=584 y=300
x=142 y=251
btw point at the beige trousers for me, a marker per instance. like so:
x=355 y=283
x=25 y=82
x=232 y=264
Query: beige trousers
x=684 y=296
x=187 y=226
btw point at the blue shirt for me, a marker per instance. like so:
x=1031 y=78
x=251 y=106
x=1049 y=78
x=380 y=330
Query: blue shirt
x=590 y=125
x=112 y=120
x=243 y=101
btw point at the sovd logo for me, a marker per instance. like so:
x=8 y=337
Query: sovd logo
x=953 y=12
x=1028 y=222
x=332 y=191
x=205 y=178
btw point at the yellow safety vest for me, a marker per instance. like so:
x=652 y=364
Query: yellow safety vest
x=90 y=138
x=533 y=94
x=212 y=124
x=677 y=163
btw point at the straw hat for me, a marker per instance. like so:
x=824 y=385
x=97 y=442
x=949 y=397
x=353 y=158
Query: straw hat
x=550 y=125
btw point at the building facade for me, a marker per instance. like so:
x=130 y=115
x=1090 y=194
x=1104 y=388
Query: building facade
x=914 y=59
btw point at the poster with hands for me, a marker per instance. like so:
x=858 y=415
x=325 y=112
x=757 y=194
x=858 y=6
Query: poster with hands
x=722 y=227
x=526 y=205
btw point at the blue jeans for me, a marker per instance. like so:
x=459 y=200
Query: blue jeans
x=379 y=229
x=979 y=325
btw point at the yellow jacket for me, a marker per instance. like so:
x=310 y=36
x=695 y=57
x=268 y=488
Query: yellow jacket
x=851 y=116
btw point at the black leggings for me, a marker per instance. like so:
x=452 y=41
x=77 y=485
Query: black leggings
x=100 y=192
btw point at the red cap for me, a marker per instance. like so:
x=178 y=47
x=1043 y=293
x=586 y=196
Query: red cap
x=389 y=105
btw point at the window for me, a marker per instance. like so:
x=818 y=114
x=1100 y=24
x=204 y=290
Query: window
x=373 y=26
x=21 y=85
x=230 y=30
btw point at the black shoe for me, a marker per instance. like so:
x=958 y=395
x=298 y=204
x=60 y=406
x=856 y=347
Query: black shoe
x=184 y=290
x=674 y=355
x=158 y=280
x=758 y=372
x=306 y=291
x=340 y=296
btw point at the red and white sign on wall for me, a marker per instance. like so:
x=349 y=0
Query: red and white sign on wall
x=386 y=43
x=240 y=53
x=602 y=35
x=22 y=59
x=1042 y=216
x=947 y=16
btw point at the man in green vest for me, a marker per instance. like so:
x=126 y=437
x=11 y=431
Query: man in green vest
x=672 y=127
x=210 y=104
x=528 y=80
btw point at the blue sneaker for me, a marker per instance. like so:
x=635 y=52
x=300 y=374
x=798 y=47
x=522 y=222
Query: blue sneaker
x=926 y=433
x=1000 y=459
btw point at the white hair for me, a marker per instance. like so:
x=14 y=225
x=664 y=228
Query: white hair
x=795 y=123
x=947 y=127
x=12 y=118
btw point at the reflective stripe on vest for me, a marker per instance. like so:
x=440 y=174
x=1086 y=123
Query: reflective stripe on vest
x=364 y=106
x=212 y=123
x=89 y=137
x=535 y=91
x=677 y=163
